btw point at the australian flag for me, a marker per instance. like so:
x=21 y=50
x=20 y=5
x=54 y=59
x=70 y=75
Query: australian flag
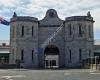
x=3 y=21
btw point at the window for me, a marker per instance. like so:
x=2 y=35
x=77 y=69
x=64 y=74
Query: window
x=13 y=31
x=22 y=30
x=80 y=54
x=70 y=56
x=32 y=30
x=3 y=44
x=51 y=14
x=80 y=30
x=69 y=28
x=32 y=54
x=22 y=55
x=89 y=31
x=13 y=53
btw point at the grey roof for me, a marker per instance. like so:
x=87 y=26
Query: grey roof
x=97 y=42
x=4 y=52
x=4 y=41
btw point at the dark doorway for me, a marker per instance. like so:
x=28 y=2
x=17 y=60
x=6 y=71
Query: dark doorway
x=51 y=56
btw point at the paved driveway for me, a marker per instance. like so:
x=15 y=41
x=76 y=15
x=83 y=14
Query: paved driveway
x=72 y=74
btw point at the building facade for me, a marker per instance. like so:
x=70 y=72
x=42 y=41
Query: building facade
x=51 y=42
x=97 y=48
x=4 y=51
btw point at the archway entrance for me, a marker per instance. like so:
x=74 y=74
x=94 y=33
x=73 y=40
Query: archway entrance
x=51 y=56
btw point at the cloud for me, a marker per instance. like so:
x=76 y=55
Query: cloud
x=96 y=16
x=9 y=3
x=38 y=8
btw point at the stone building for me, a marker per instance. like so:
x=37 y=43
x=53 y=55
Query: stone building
x=51 y=42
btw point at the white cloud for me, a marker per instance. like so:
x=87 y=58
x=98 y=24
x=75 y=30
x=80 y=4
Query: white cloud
x=9 y=3
x=38 y=8
x=96 y=16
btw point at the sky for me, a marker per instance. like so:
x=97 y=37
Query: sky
x=38 y=8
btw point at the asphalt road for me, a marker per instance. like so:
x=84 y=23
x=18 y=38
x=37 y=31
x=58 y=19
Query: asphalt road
x=72 y=74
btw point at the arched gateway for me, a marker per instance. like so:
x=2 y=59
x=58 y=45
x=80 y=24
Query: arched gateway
x=51 y=53
x=74 y=40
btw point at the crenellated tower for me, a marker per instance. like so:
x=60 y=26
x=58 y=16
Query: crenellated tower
x=24 y=39
x=51 y=42
x=79 y=39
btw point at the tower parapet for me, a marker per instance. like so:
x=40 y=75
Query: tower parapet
x=79 y=18
x=79 y=38
x=23 y=39
x=74 y=41
x=24 y=18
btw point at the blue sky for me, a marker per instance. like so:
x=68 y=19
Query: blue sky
x=38 y=8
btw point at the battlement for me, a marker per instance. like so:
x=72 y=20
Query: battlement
x=79 y=18
x=24 y=18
